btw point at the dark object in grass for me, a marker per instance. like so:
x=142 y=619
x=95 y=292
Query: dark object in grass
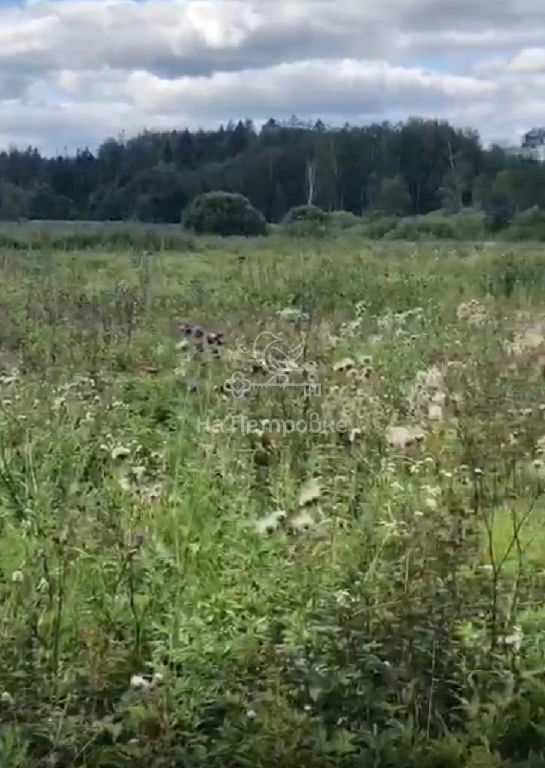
x=198 y=332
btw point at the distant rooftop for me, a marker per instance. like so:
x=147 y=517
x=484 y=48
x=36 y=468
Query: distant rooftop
x=534 y=138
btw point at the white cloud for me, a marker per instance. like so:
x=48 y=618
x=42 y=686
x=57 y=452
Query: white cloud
x=78 y=70
x=342 y=87
x=528 y=60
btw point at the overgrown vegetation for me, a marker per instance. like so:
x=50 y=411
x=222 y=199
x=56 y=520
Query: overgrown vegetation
x=182 y=586
x=468 y=226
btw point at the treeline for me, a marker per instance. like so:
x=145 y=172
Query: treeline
x=403 y=169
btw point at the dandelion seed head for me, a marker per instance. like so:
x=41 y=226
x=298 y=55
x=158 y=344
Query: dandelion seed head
x=120 y=452
x=302 y=522
x=139 y=683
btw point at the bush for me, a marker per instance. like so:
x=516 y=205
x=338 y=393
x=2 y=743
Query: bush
x=499 y=211
x=527 y=225
x=307 y=213
x=423 y=228
x=306 y=221
x=438 y=226
x=224 y=213
x=394 y=198
x=343 y=220
x=469 y=225
x=376 y=225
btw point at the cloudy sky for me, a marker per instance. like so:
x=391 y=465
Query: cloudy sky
x=73 y=72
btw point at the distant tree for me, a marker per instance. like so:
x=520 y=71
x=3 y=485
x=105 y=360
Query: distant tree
x=111 y=204
x=14 y=202
x=483 y=186
x=394 y=198
x=286 y=164
x=499 y=210
x=373 y=187
x=158 y=195
x=44 y=203
x=184 y=149
x=110 y=160
x=224 y=213
x=524 y=186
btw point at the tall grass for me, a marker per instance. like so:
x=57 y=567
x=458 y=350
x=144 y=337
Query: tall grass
x=156 y=609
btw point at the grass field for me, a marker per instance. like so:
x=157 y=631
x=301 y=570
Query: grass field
x=355 y=578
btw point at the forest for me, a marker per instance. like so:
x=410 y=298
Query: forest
x=409 y=168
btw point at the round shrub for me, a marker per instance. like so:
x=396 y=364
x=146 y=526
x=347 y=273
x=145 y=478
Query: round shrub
x=306 y=213
x=527 y=225
x=344 y=220
x=224 y=213
x=306 y=221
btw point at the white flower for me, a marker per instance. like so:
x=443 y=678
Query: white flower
x=139 y=683
x=271 y=522
x=514 y=640
x=403 y=437
x=124 y=483
x=157 y=679
x=344 y=365
x=430 y=503
x=7 y=698
x=435 y=412
x=303 y=522
x=292 y=313
x=17 y=577
x=120 y=452
x=251 y=714
x=151 y=492
x=138 y=471
x=310 y=492
x=342 y=598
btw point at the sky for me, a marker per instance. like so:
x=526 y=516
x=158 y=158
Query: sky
x=74 y=72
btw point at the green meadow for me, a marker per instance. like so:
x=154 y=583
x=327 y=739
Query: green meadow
x=347 y=571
